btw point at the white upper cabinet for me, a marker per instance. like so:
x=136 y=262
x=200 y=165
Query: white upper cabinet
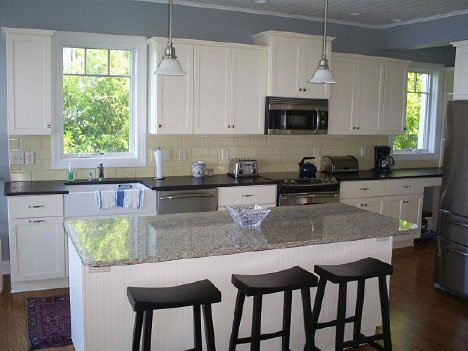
x=394 y=101
x=29 y=98
x=369 y=97
x=460 y=84
x=249 y=84
x=223 y=92
x=294 y=57
x=212 y=89
x=170 y=106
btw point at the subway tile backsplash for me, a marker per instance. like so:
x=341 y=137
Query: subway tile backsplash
x=274 y=153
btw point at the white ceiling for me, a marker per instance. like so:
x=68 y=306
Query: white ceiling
x=374 y=13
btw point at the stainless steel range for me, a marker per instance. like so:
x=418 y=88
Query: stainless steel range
x=294 y=190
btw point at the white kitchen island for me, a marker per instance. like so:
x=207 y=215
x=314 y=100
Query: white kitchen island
x=109 y=254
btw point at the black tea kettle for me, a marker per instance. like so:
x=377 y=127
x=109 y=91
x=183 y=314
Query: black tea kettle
x=307 y=169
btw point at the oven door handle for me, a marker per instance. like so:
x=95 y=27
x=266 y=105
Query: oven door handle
x=309 y=196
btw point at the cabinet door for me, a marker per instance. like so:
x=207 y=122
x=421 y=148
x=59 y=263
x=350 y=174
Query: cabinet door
x=460 y=84
x=407 y=208
x=375 y=205
x=175 y=95
x=311 y=51
x=212 y=89
x=342 y=97
x=249 y=81
x=37 y=248
x=367 y=107
x=394 y=102
x=286 y=67
x=28 y=83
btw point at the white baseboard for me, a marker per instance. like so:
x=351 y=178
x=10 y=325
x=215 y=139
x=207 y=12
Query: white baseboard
x=5 y=267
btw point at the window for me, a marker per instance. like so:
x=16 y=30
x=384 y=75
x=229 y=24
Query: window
x=422 y=130
x=101 y=103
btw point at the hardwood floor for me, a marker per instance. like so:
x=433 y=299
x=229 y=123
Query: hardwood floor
x=422 y=318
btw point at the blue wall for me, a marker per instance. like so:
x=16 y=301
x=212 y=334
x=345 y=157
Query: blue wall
x=150 y=19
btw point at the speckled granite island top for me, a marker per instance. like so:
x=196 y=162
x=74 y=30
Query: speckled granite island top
x=127 y=240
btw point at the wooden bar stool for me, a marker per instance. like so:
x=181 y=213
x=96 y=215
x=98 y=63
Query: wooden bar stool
x=343 y=274
x=145 y=300
x=258 y=285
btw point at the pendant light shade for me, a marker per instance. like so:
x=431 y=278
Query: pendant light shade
x=169 y=65
x=322 y=74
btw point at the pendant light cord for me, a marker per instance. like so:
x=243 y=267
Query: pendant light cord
x=170 y=21
x=325 y=19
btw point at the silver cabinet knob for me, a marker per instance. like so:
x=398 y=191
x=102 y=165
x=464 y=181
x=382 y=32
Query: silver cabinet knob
x=304 y=89
x=229 y=126
x=300 y=89
x=233 y=126
x=47 y=125
x=160 y=125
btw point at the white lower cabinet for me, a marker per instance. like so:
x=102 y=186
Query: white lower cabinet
x=37 y=247
x=407 y=208
x=373 y=204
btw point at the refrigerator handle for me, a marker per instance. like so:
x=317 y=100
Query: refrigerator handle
x=460 y=224
x=458 y=252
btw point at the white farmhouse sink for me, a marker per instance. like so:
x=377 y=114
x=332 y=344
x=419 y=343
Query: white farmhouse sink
x=81 y=200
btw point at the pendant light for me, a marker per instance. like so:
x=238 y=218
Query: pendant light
x=169 y=65
x=322 y=74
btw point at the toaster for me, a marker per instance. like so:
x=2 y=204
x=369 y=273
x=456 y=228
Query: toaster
x=339 y=164
x=239 y=167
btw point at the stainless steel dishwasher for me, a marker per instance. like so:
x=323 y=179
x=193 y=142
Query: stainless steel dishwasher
x=184 y=201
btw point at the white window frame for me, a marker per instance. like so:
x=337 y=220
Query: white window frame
x=137 y=45
x=435 y=106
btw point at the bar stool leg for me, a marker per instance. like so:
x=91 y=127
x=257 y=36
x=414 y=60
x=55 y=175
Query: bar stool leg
x=197 y=339
x=256 y=323
x=137 y=331
x=317 y=308
x=209 y=330
x=340 y=327
x=358 y=314
x=384 y=306
x=286 y=320
x=237 y=320
x=147 y=330
x=307 y=312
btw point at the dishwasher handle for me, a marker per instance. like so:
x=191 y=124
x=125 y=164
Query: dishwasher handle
x=186 y=196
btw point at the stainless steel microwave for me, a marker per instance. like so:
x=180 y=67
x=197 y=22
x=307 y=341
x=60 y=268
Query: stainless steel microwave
x=290 y=116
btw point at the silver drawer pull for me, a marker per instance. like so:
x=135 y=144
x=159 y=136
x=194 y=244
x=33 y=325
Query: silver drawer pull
x=37 y=221
x=248 y=195
x=36 y=206
x=406 y=186
x=364 y=189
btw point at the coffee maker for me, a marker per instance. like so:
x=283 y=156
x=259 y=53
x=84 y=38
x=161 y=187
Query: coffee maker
x=383 y=161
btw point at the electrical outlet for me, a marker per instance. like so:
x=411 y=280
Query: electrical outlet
x=317 y=151
x=182 y=155
x=29 y=157
x=225 y=153
x=16 y=157
x=364 y=151
x=166 y=155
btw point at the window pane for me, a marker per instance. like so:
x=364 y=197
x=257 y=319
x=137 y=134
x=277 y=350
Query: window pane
x=120 y=62
x=96 y=61
x=410 y=81
x=409 y=140
x=95 y=114
x=73 y=60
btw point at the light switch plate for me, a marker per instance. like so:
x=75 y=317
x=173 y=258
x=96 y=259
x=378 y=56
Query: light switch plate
x=16 y=157
x=182 y=155
x=29 y=157
x=225 y=153
x=166 y=155
x=364 y=151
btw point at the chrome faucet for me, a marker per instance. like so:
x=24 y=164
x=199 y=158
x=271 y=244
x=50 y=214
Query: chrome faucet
x=90 y=177
x=100 y=168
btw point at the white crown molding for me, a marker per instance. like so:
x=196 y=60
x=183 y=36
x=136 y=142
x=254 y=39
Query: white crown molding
x=311 y=18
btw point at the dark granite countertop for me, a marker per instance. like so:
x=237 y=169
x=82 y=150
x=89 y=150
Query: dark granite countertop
x=128 y=240
x=217 y=180
x=168 y=183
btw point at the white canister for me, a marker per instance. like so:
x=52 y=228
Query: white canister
x=198 y=169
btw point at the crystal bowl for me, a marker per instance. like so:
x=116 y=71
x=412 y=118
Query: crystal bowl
x=246 y=216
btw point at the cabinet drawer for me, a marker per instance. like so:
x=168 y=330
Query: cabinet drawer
x=244 y=195
x=35 y=206
x=362 y=189
x=405 y=186
x=432 y=181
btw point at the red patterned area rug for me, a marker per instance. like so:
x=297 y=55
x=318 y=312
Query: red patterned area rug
x=48 y=322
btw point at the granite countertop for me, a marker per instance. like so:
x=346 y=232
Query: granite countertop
x=127 y=240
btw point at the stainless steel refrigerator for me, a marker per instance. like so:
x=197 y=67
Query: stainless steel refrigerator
x=451 y=265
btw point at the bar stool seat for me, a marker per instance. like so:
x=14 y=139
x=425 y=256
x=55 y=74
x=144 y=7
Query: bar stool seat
x=290 y=279
x=363 y=269
x=285 y=281
x=198 y=293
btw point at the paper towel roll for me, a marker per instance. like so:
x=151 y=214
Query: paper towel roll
x=158 y=160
